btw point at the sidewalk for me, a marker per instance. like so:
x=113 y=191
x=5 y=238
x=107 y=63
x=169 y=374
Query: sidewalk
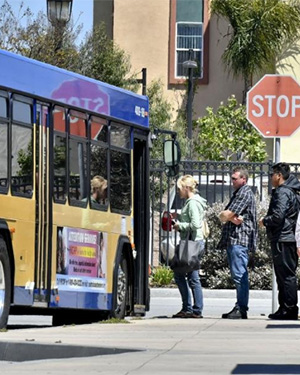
x=164 y=347
x=159 y=345
x=212 y=293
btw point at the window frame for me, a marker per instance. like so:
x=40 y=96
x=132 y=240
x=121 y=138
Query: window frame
x=105 y=146
x=5 y=122
x=124 y=150
x=173 y=80
x=195 y=50
x=25 y=125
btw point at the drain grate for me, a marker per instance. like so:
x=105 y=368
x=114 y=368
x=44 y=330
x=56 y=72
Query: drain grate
x=21 y=352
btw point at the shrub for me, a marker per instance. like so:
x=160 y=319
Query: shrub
x=161 y=276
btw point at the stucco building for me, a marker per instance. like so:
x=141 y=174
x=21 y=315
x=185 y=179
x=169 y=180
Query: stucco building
x=158 y=34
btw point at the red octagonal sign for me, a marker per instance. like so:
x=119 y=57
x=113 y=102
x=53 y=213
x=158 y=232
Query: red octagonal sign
x=273 y=106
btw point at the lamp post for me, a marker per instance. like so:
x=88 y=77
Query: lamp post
x=190 y=65
x=143 y=81
x=59 y=11
x=59 y=14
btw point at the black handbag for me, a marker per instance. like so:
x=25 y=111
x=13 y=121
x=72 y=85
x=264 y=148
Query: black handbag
x=187 y=256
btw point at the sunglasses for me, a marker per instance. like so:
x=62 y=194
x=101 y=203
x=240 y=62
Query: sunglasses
x=234 y=178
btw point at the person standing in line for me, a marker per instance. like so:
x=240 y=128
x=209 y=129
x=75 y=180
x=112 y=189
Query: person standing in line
x=190 y=221
x=280 y=223
x=239 y=236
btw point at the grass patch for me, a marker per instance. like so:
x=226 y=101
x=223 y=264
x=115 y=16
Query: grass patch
x=114 y=321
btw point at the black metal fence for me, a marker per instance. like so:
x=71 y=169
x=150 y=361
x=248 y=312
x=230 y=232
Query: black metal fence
x=214 y=184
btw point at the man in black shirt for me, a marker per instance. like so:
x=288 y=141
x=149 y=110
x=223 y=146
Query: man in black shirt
x=280 y=223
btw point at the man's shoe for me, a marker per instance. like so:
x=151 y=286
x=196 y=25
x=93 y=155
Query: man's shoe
x=182 y=314
x=285 y=314
x=194 y=315
x=276 y=314
x=235 y=313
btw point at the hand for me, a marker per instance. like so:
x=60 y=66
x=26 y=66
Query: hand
x=173 y=215
x=260 y=223
x=237 y=220
x=298 y=251
x=176 y=226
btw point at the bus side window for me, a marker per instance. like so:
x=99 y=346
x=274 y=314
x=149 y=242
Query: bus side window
x=59 y=155
x=98 y=157
x=22 y=150
x=3 y=144
x=120 y=171
x=78 y=182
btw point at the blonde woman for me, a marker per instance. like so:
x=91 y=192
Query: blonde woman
x=98 y=190
x=190 y=221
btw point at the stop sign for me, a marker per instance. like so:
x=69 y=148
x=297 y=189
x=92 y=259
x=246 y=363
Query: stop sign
x=273 y=106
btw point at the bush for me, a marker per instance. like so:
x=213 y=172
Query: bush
x=161 y=276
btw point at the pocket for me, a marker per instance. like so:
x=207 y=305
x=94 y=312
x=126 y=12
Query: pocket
x=277 y=253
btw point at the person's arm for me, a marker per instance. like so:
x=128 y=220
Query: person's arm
x=236 y=208
x=280 y=205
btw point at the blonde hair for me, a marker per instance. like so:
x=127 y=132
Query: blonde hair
x=187 y=181
x=98 y=183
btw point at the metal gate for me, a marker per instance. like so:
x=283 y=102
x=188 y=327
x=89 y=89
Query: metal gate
x=214 y=184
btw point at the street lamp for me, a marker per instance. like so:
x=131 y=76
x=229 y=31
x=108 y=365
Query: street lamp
x=190 y=65
x=59 y=11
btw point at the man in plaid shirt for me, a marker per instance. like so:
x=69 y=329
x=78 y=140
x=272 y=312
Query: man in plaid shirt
x=239 y=236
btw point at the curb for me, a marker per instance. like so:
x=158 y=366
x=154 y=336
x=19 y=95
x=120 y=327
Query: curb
x=209 y=293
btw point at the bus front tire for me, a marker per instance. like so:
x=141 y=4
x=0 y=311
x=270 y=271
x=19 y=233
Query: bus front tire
x=121 y=289
x=5 y=284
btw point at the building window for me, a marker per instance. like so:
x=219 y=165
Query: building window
x=188 y=39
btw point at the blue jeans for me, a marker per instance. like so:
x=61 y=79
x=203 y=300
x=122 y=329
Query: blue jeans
x=238 y=261
x=188 y=281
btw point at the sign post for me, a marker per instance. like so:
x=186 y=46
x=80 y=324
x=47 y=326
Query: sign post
x=273 y=108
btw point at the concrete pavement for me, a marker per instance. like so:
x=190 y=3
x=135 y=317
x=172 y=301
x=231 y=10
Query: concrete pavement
x=164 y=346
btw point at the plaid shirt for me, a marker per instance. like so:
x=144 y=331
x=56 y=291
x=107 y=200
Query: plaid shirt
x=242 y=203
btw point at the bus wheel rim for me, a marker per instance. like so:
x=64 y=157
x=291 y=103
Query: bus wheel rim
x=2 y=288
x=121 y=286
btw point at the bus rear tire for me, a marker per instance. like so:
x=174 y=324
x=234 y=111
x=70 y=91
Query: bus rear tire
x=121 y=289
x=5 y=284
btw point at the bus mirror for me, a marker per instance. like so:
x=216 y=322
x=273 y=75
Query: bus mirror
x=171 y=157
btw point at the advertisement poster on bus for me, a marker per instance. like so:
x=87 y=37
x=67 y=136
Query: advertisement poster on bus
x=81 y=260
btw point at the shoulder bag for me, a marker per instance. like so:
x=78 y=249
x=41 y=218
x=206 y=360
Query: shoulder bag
x=187 y=255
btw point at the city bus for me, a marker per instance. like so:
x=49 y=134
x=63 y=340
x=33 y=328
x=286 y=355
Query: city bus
x=63 y=252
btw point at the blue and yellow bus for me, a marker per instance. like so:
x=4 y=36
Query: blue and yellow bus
x=63 y=252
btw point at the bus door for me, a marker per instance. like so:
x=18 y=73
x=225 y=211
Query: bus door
x=141 y=218
x=42 y=228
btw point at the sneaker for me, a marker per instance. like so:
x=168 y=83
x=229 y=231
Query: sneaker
x=285 y=314
x=235 y=313
x=182 y=314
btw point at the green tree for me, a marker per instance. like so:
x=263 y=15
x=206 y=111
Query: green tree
x=258 y=32
x=104 y=60
x=227 y=135
x=97 y=56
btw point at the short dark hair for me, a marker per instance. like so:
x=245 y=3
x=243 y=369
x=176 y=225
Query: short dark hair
x=282 y=168
x=243 y=172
